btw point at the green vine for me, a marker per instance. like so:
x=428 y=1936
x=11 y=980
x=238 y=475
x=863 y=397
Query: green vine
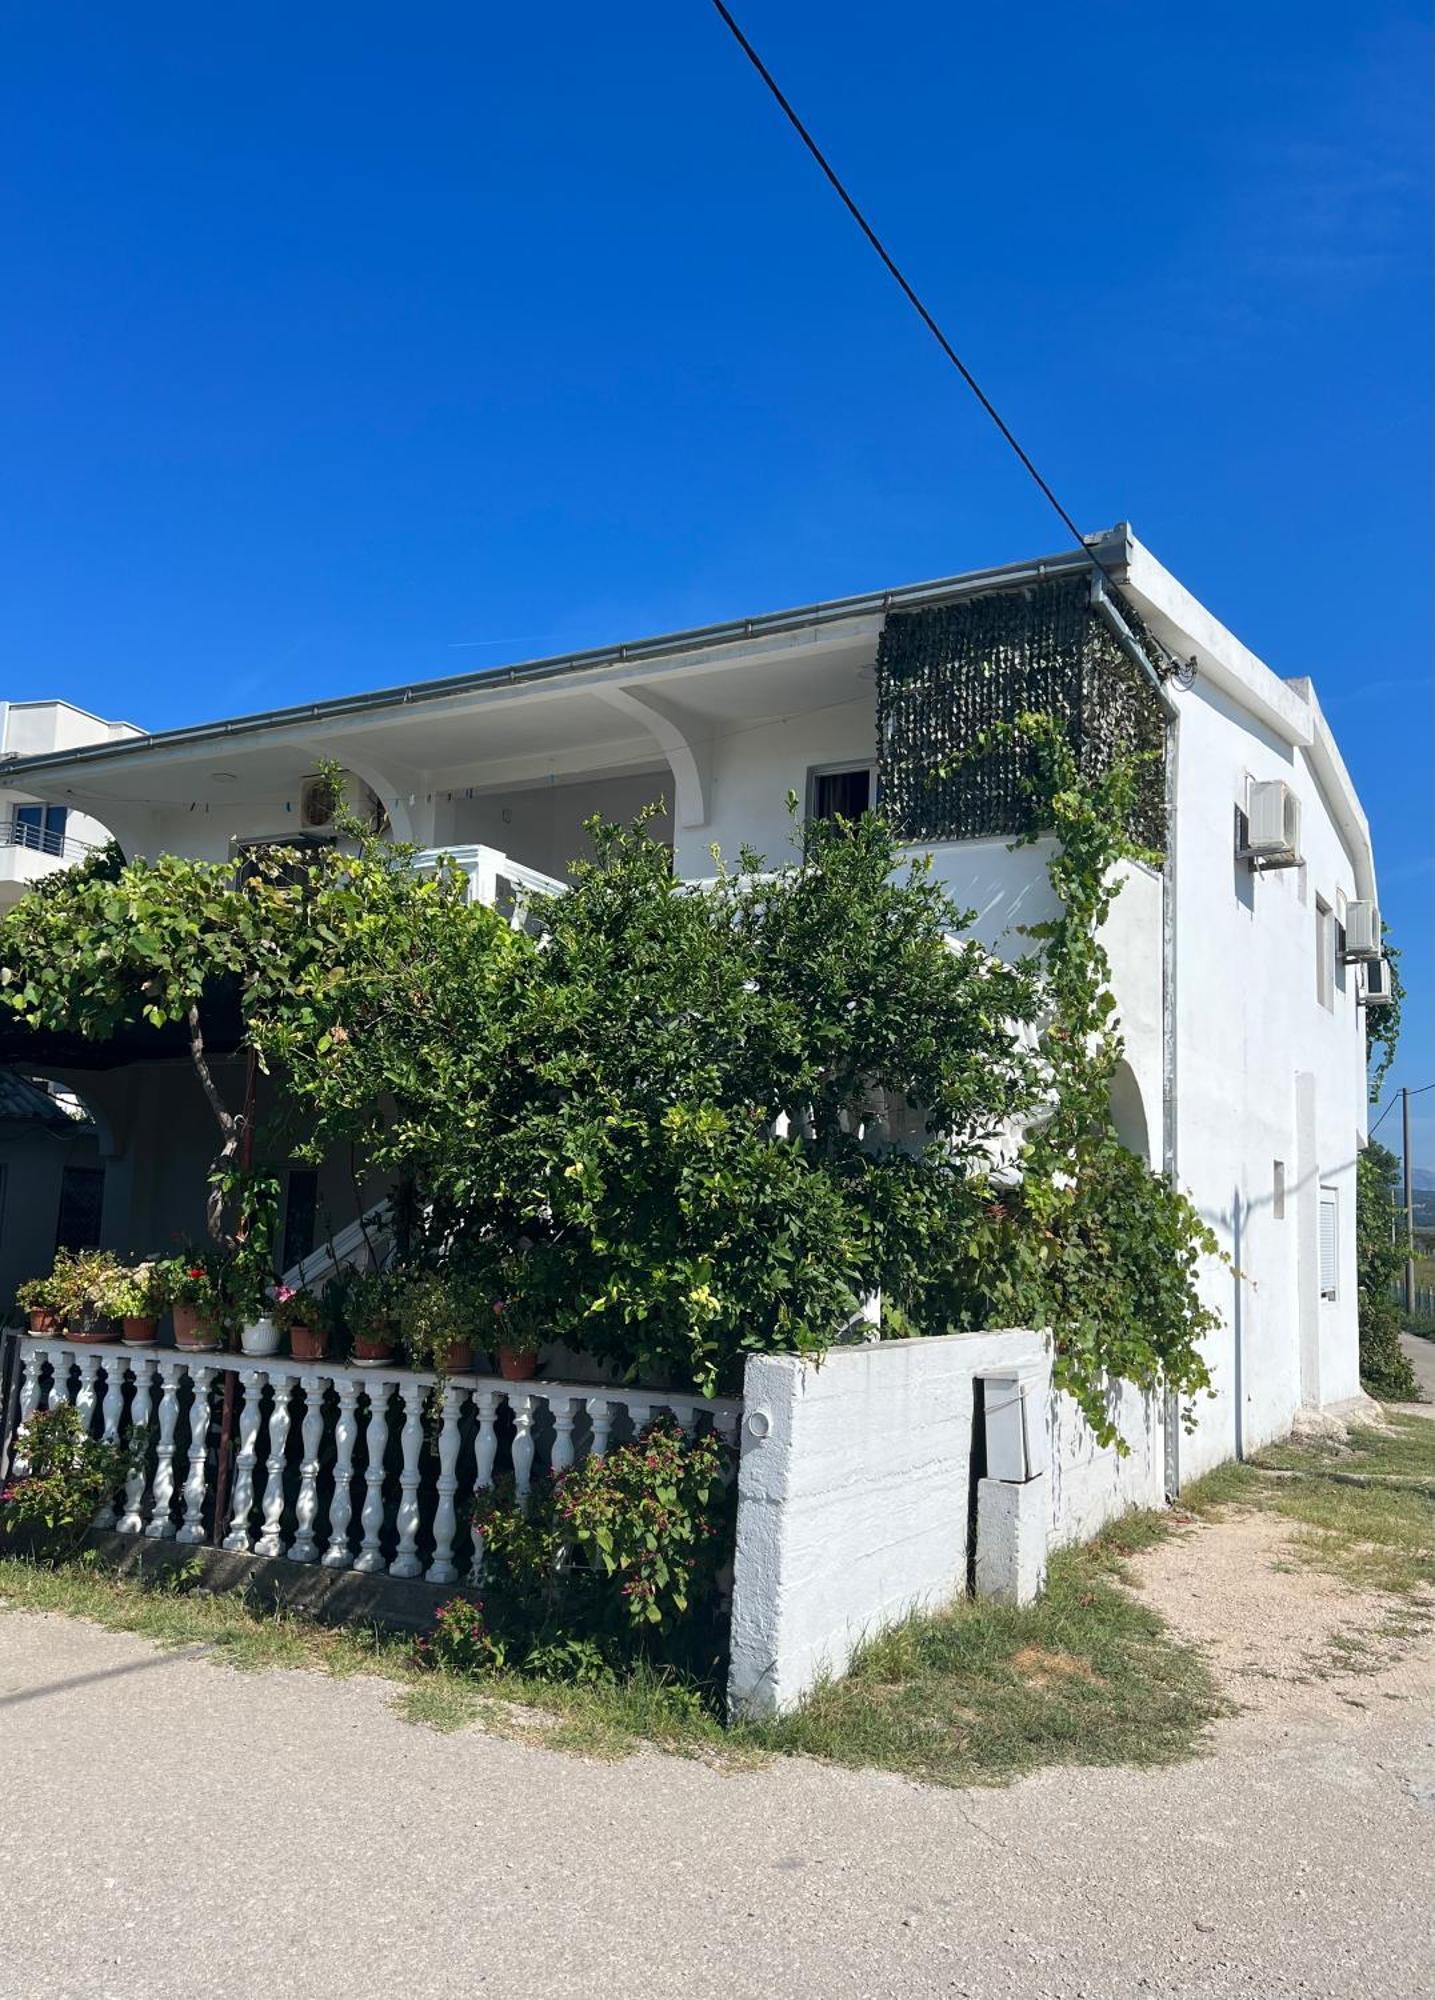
x=1092 y=1242
x=1382 y=1024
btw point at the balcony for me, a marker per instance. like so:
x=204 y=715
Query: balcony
x=29 y=852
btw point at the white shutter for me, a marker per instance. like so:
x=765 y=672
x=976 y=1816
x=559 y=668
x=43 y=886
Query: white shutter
x=1329 y=1243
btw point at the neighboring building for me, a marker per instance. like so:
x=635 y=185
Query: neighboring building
x=1240 y=1005
x=37 y=836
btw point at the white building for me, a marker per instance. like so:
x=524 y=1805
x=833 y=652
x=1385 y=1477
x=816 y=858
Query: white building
x=37 y=836
x=1242 y=1015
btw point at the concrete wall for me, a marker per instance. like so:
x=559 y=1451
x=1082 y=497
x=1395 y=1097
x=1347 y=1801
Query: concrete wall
x=853 y=1494
x=856 y=1483
x=35 y=1162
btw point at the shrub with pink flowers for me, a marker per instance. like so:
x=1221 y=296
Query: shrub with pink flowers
x=636 y=1536
x=461 y=1639
x=69 y=1475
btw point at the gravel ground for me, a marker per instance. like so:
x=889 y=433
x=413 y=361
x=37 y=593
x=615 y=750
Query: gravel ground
x=172 y=1826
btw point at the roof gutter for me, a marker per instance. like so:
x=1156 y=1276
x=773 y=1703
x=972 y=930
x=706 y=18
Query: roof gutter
x=1111 y=548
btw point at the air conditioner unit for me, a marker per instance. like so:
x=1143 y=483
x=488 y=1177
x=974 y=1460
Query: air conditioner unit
x=1362 y=931
x=1273 y=826
x=321 y=797
x=1378 y=990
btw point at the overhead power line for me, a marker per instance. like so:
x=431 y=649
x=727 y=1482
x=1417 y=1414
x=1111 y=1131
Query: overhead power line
x=1392 y=1104
x=910 y=293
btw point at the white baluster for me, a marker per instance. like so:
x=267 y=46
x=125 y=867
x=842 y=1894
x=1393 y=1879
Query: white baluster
x=725 y=1424
x=131 y=1522
x=600 y=1415
x=34 y=1366
x=192 y=1530
x=111 y=1410
x=522 y=1408
x=640 y=1412
x=445 y=1520
x=87 y=1394
x=486 y=1448
x=305 y=1548
x=687 y=1416
x=370 y=1556
x=336 y=1555
x=271 y=1534
x=251 y=1389
x=61 y=1363
x=406 y=1559
x=161 y=1528
x=562 y=1408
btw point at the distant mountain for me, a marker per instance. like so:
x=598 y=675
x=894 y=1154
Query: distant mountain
x=1422 y=1177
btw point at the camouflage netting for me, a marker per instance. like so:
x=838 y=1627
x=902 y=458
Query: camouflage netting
x=946 y=673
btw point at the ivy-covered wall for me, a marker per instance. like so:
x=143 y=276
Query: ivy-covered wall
x=949 y=672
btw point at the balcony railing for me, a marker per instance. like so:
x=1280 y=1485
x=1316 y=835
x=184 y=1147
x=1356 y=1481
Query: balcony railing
x=43 y=840
x=495 y=878
x=334 y=1464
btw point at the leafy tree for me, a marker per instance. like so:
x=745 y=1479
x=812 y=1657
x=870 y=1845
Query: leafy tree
x=1385 y=1369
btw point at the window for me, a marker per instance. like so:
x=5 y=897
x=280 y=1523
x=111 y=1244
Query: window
x=4 y=1190
x=839 y=791
x=82 y=1201
x=301 y=1203
x=41 y=827
x=1324 y=953
x=1329 y=1243
x=1278 y=1190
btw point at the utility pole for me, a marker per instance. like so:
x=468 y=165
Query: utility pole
x=1408 y=1191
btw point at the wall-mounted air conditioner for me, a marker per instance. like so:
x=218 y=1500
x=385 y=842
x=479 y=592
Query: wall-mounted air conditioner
x=1378 y=990
x=1362 y=931
x=1272 y=826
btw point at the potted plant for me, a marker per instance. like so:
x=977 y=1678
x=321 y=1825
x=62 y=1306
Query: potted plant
x=38 y=1299
x=517 y=1340
x=435 y=1318
x=84 y=1281
x=370 y=1307
x=301 y=1314
x=195 y=1288
x=137 y=1297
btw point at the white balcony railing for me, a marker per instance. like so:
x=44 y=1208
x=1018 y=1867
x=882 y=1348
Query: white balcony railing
x=333 y=1464
x=495 y=878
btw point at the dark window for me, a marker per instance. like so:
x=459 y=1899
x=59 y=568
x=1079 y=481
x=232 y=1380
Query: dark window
x=301 y=1204
x=82 y=1202
x=841 y=794
x=42 y=827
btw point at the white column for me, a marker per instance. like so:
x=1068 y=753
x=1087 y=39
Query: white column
x=522 y=1408
x=336 y=1555
x=132 y=1520
x=305 y=1549
x=161 y=1528
x=192 y=1530
x=486 y=1449
x=562 y=1408
x=29 y=1398
x=86 y=1394
x=111 y=1411
x=406 y=1560
x=61 y=1362
x=600 y=1415
x=445 y=1520
x=370 y=1557
x=271 y=1534
x=251 y=1389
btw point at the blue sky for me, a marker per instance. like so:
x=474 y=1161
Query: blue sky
x=345 y=344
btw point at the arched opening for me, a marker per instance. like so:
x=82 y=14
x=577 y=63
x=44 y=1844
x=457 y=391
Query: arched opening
x=1128 y=1113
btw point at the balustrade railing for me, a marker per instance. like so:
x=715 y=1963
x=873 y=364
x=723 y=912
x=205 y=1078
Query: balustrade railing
x=368 y=1469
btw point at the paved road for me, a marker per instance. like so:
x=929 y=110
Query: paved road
x=1422 y=1360
x=171 y=1827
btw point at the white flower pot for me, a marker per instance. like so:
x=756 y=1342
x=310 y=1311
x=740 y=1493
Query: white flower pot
x=260 y=1338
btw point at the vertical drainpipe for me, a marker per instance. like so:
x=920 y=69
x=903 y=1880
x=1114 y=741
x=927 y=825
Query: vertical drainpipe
x=1169 y=1149
x=1171 y=1415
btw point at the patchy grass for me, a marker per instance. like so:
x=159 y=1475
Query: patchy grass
x=977 y=1695
x=1363 y=1511
x=988 y=1692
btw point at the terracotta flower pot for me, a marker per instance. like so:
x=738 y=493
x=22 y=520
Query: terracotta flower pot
x=373 y=1347
x=89 y=1333
x=44 y=1321
x=193 y=1334
x=309 y=1343
x=457 y=1358
x=139 y=1332
x=516 y=1364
